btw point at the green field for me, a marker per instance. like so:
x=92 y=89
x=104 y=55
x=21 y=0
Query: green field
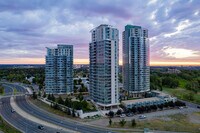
x=182 y=94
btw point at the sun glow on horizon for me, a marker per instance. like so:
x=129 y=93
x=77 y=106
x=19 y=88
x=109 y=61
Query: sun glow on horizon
x=86 y=61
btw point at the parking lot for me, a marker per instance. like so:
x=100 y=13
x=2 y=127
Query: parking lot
x=152 y=115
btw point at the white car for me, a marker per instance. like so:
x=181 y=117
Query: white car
x=122 y=115
x=180 y=107
x=142 y=117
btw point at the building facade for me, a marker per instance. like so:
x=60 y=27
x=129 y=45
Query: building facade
x=59 y=70
x=157 y=99
x=104 y=62
x=136 y=69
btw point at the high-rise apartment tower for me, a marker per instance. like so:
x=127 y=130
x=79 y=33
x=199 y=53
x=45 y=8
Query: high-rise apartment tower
x=104 y=58
x=59 y=69
x=136 y=60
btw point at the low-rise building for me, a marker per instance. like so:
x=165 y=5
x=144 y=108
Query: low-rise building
x=159 y=98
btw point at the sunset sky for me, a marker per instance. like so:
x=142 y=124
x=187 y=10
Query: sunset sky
x=27 y=27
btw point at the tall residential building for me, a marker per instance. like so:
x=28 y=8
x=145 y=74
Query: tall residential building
x=59 y=69
x=104 y=58
x=136 y=60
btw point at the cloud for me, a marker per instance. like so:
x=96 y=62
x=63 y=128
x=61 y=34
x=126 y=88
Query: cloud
x=180 y=52
x=181 y=26
x=30 y=26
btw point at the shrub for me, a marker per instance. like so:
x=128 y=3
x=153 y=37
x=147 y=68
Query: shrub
x=122 y=122
x=133 y=123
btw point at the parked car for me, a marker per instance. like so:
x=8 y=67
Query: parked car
x=180 y=107
x=198 y=107
x=122 y=115
x=40 y=127
x=129 y=114
x=142 y=117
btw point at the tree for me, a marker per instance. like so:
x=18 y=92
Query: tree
x=155 y=82
x=55 y=106
x=79 y=81
x=171 y=104
x=84 y=104
x=39 y=94
x=110 y=122
x=166 y=104
x=73 y=113
x=111 y=114
x=193 y=86
x=49 y=97
x=80 y=96
x=170 y=82
x=134 y=110
x=53 y=98
x=34 y=95
x=133 y=123
x=179 y=103
x=60 y=100
x=44 y=95
x=75 y=89
x=119 y=112
x=68 y=112
x=75 y=82
x=122 y=122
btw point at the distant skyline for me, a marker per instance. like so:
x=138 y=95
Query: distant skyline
x=28 y=27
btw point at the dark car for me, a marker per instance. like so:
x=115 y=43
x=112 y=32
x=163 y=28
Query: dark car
x=129 y=114
x=40 y=127
x=198 y=107
x=12 y=110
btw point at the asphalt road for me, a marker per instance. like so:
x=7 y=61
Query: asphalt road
x=24 y=105
x=18 y=88
x=8 y=90
x=189 y=104
x=16 y=120
x=51 y=118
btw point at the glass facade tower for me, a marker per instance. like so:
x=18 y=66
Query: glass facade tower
x=104 y=58
x=136 y=69
x=59 y=70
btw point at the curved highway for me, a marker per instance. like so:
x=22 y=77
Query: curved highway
x=51 y=118
x=18 y=121
x=24 y=105
x=7 y=90
x=15 y=119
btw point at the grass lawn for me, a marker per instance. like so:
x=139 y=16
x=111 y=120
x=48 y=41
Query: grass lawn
x=15 y=91
x=176 y=123
x=180 y=92
x=46 y=107
x=6 y=128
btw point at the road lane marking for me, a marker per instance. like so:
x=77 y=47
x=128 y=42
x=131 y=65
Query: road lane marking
x=35 y=119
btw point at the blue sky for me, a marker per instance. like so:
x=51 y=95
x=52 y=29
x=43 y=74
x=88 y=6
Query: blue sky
x=28 y=26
